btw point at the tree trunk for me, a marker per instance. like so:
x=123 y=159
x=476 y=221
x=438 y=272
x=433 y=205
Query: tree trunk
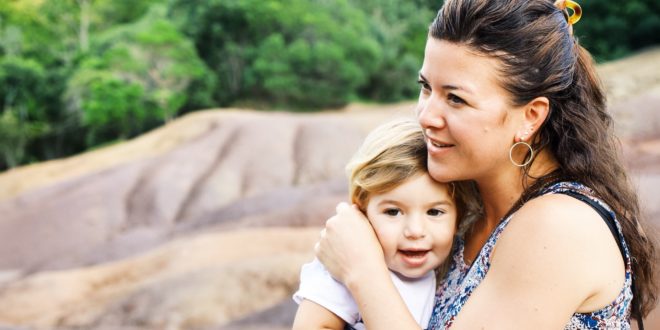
x=83 y=35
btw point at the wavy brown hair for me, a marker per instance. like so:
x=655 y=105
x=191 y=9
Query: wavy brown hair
x=539 y=56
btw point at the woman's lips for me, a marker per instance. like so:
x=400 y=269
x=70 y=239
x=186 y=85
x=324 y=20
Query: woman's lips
x=435 y=146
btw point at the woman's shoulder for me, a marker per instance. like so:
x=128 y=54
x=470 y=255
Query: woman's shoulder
x=561 y=219
x=559 y=214
x=560 y=237
x=561 y=208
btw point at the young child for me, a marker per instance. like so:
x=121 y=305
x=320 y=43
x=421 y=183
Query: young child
x=414 y=217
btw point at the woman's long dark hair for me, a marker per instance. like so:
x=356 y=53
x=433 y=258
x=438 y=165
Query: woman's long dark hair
x=540 y=57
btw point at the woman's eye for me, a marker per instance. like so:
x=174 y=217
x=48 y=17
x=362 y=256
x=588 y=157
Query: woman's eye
x=435 y=212
x=424 y=85
x=453 y=99
x=392 y=212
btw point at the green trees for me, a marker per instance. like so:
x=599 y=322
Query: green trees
x=21 y=89
x=137 y=75
x=300 y=53
x=78 y=73
x=308 y=54
x=400 y=28
x=612 y=29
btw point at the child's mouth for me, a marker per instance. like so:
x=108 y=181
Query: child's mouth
x=414 y=254
x=414 y=258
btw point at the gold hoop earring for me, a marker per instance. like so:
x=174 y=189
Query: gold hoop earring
x=531 y=154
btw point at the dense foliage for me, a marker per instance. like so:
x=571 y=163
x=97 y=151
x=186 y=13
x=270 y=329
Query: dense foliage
x=76 y=74
x=612 y=29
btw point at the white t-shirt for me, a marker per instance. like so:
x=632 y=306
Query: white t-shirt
x=317 y=285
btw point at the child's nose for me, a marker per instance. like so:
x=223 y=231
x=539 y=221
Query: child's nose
x=414 y=228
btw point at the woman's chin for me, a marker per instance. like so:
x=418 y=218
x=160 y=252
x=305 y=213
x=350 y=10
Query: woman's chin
x=440 y=174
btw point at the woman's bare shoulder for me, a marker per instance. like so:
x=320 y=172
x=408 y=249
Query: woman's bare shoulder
x=562 y=214
x=563 y=241
x=562 y=222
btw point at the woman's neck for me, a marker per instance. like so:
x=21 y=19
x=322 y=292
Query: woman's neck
x=500 y=192
x=498 y=195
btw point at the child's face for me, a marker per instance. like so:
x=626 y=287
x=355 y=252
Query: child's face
x=415 y=224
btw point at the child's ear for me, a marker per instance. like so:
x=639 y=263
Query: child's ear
x=535 y=114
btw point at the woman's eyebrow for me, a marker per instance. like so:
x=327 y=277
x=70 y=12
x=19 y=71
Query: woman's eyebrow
x=448 y=87
x=460 y=88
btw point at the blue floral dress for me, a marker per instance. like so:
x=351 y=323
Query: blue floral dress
x=461 y=279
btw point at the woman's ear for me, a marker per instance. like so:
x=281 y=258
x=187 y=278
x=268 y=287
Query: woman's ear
x=535 y=114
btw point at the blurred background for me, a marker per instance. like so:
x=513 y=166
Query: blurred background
x=166 y=164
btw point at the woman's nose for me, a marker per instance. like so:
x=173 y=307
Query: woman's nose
x=430 y=113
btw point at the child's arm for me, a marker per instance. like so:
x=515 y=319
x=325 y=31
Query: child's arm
x=312 y=316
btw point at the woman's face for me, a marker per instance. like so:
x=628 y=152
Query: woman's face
x=465 y=113
x=415 y=224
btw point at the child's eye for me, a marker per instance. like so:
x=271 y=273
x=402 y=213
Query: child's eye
x=393 y=212
x=435 y=212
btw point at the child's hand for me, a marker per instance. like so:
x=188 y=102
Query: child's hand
x=348 y=247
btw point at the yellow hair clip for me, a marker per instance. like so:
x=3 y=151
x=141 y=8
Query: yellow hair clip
x=574 y=6
x=577 y=12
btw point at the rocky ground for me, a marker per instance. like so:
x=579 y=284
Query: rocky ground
x=204 y=223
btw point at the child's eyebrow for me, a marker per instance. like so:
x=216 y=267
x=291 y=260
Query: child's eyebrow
x=389 y=201
x=396 y=202
x=442 y=202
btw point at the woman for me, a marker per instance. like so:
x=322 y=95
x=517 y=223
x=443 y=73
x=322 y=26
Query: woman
x=511 y=101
